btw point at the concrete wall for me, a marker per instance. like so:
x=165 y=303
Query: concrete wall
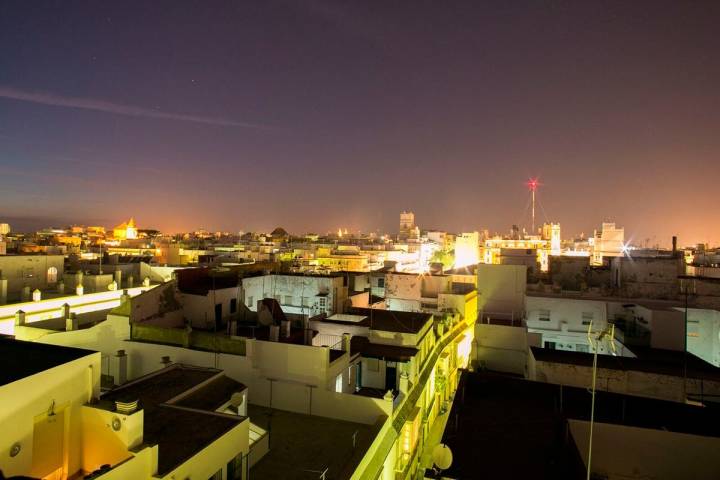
x=703 y=334
x=643 y=384
x=215 y=456
x=53 y=308
x=564 y=313
x=501 y=348
x=200 y=309
x=501 y=289
x=621 y=452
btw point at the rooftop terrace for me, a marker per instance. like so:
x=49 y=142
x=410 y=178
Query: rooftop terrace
x=302 y=446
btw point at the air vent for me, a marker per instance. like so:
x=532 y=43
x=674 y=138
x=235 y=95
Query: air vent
x=126 y=407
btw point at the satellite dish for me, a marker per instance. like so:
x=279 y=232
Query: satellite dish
x=442 y=456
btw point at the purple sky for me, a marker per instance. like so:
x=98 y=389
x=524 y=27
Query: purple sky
x=319 y=114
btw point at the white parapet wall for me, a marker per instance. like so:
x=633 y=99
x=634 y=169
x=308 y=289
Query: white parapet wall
x=53 y=307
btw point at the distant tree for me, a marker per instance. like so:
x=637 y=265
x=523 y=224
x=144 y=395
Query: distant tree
x=446 y=257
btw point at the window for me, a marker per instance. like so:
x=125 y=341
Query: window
x=249 y=303
x=544 y=315
x=381 y=283
x=587 y=318
x=305 y=302
x=323 y=302
x=288 y=300
x=216 y=476
x=52 y=274
x=233 y=305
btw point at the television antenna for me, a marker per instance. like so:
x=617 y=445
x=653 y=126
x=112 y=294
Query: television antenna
x=594 y=339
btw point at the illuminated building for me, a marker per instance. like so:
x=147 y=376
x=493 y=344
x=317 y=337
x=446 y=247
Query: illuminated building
x=408 y=229
x=126 y=230
x=20 y=273
x=551 y=232
x=467 y=249
x=608 y=242
x=4 y=228
x=57 y=425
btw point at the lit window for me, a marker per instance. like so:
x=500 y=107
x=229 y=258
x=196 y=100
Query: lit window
x=52 y=275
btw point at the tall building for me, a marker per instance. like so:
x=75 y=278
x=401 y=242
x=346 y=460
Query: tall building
x=467 y=249
x=126 y=230
x=551 y=231
x=608 y=242
x=408 y=229
x=4 y=228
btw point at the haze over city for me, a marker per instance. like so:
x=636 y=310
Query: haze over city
x=319 y=115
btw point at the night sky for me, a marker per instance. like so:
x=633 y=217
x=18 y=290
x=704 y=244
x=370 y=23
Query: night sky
x=319 y=114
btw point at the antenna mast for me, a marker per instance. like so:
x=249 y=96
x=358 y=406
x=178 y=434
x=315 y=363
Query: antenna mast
x=533 y=185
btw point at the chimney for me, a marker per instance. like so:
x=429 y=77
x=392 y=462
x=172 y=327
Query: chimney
x=36 y=295
x=165 y=360
x=25 y=294
x=121 y=360
x=71 y=323
x=61 y=287
x=286 y=328
x=674 y=245
x=20 y=318
x=274 y=333
x=118 y=278
x=130 y=281
x=404 y=383
x=65 y=310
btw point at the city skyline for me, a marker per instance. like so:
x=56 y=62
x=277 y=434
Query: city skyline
x=320 y=115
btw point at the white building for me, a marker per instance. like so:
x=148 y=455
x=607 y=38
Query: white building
x=703 y=334
x=467 y=249
x=57 y=425
x=303 y=294
x=608 y=242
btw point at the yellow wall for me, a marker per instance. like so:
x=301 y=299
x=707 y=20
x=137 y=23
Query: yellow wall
x=28 y=400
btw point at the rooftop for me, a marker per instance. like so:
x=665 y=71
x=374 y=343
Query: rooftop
x=363 y=346
x=392 y=320
x=23 y=359
x=302 y=446
x=643 y=302
x=179 y=404
x=651 y=360
x=496 y=417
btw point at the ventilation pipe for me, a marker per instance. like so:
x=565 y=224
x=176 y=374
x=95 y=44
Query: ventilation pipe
x=71 y=323
x=121 y=362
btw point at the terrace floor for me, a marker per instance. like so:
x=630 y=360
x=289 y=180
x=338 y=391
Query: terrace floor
x=303 y=446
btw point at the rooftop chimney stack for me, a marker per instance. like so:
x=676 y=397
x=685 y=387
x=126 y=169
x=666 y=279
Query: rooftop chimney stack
x=121 y=361
x=71 y=322
x=274 y=333
x=674 y=246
